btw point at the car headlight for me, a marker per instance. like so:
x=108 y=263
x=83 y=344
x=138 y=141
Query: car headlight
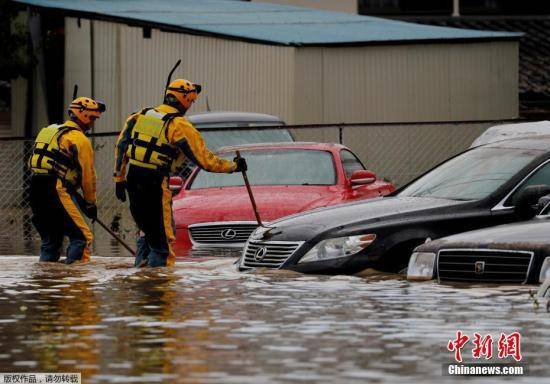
x=545 y=270
x=421 y=266
x=338 y=247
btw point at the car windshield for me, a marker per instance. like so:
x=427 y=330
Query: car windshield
x=216 y=139
x=275 y=167
x=473 y=175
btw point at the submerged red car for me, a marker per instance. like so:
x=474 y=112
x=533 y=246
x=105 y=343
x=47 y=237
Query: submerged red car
x=214 y=210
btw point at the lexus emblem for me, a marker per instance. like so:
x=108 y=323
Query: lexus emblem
x=229 y=234
x=479 y=267
x=260 y=253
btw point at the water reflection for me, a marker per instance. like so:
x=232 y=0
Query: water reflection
x=202 y=321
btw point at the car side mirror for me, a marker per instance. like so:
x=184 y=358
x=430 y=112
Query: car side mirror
x=527 y=203
x=362 y=177
x=543 y=204
x=175 y=184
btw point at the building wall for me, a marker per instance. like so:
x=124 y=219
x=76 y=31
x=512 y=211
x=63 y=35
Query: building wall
x=349 y=6
x=19 y=99
x=431 y=82
x=130 y=71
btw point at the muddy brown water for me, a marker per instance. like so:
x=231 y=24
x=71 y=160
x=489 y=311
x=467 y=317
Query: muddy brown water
x=203 y=322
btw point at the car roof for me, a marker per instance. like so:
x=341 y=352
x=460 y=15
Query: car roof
x=541 y=143
x=233 y=117
x=285 y=145
x=511 y=131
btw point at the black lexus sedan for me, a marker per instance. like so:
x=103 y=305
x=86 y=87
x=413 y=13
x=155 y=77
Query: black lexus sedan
x=510 y=253
x=476 y=189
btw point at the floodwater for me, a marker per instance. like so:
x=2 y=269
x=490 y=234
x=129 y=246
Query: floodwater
x=203 y=322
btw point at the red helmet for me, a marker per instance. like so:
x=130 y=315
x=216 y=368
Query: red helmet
x=184 y=91
x=86 y=109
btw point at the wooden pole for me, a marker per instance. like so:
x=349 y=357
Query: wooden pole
x=247 y=184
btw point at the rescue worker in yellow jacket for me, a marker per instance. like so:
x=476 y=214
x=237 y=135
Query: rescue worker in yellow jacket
x=155 y=142
x=62 y=162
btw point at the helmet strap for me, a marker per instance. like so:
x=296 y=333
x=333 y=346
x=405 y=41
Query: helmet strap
x=174 y=102
x=74 y=118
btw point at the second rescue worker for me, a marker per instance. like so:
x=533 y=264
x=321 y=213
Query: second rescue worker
x=155 y=142
x=62 y=161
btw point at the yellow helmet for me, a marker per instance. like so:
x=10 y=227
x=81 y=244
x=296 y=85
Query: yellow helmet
x=86 y=109
x=184 y=91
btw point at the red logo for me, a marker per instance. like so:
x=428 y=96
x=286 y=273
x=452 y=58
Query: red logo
x=508 y=346
x=457 y=344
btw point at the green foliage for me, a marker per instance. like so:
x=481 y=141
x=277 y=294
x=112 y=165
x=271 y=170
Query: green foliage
x=16 y=53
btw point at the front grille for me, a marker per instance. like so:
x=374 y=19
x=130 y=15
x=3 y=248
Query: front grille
x=483 y=265
x=275 y=254
x=221 y=233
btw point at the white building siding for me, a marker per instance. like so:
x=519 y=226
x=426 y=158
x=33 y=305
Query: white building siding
x=130 y=71
x=432 y=82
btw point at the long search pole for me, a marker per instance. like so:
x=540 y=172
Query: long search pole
x=117 y=238
x=247 y=184
x=82 y=203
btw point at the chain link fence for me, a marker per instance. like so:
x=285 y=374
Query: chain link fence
x=396 y=152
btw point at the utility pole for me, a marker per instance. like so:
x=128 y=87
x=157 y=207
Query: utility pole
x=456 y=8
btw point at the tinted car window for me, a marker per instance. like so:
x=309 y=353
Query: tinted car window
x=541 y=176
x=473 y=175
x=275 y=167
x=225 y=137
x=350 y=163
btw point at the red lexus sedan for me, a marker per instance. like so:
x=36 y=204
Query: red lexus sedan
x=214 y=210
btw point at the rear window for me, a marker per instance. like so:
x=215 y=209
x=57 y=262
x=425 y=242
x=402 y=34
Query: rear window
x=473 y=175
x=226 y=137
x=275 y=167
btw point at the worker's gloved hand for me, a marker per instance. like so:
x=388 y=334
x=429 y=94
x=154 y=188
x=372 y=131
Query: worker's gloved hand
x=241 y=164
x=90 y=210
x=120 y=190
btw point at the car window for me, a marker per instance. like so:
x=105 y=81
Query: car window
x=350 y=163
x=224 y=137
x=540 y=176
x=472 y=175
x=275 y=167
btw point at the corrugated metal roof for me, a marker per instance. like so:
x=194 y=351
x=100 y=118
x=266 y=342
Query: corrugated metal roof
x=263 y=22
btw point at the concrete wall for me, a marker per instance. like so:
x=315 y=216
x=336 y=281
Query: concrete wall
x=349 y=6
x=430 y=82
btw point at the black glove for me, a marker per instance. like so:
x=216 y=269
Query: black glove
x=90 y=210
x=241 y=164
x=120 y=190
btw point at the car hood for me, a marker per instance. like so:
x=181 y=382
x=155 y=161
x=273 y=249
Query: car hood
x=305 y=226
x=532 y=234
x=233 y=203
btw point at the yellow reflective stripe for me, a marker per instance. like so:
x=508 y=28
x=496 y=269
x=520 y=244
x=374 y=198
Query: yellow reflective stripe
x=167 y=221
x=76 y=216
x=38 y=170
x=149 y=125
x=45 y=162
x=142 y=164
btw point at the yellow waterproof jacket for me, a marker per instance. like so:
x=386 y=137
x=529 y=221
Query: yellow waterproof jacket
x=74 y=145
x=175 y=140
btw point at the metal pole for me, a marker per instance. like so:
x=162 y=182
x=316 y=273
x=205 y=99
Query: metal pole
x=252 y=200
x=456 y=8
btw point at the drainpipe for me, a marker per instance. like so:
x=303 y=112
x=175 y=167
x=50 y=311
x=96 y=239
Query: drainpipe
x=456 y=8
